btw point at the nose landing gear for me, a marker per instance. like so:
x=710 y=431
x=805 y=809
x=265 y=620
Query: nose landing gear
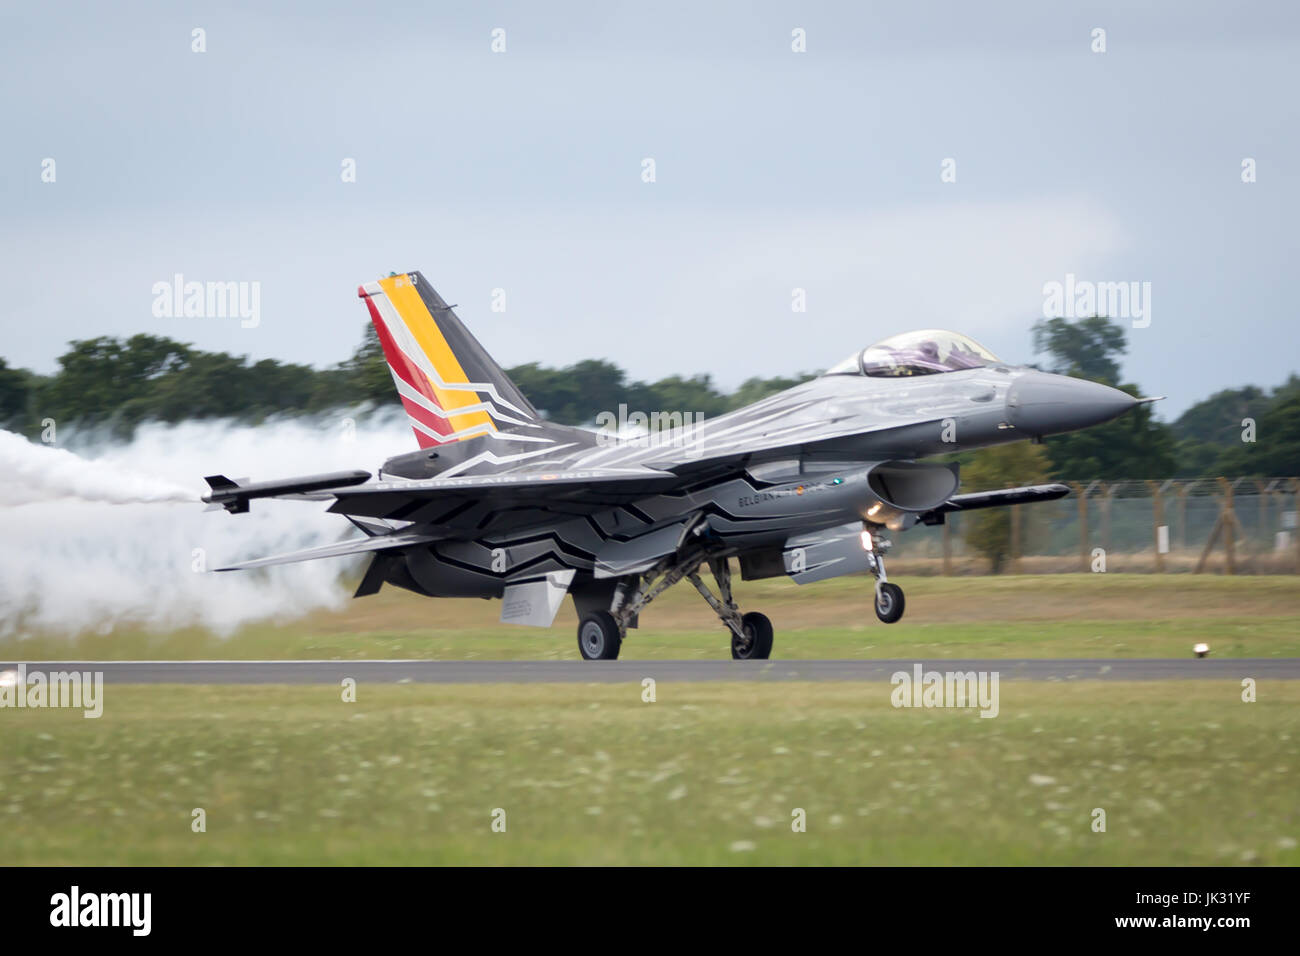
x=889 y=597
x=889 y=602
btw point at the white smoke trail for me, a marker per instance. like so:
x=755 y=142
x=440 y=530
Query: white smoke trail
x=34 y=472
x=114 y=534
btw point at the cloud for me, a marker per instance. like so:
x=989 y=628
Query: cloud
x=688 y=289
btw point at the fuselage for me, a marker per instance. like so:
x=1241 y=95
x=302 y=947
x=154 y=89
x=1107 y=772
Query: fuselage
x=837 y=449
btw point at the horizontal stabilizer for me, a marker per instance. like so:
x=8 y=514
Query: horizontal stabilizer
x=354 y=546
x=234 y=496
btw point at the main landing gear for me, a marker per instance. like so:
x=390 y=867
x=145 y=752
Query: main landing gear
x=889 y=597
x=751 y=634
x=601 y=633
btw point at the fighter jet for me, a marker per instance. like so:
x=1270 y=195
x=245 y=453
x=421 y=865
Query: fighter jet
x=498 y=502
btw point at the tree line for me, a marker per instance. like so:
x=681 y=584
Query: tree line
x=119 y=383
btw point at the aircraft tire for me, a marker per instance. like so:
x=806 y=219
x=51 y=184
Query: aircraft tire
x=759 y=646
x=599 y=638
x=889 y=603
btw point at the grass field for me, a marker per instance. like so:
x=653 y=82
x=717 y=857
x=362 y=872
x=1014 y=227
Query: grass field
x=709 y=773
x=1079 y=615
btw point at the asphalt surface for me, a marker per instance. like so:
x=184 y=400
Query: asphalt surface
x=607 y=672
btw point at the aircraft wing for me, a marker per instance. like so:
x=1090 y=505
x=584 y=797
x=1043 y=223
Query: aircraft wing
x=995 y=499
x=381 y=542
x=467 y=502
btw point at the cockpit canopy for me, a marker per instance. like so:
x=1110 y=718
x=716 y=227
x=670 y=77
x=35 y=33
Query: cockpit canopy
x=924 y=352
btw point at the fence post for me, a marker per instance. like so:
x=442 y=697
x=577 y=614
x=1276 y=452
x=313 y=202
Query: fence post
x=1261 y=534
x=947 y=547
x=1181 y=491
x=1295 y=532
x=1229 y=528
x=1015 y=539
x=1157 y=519
x=1107 y=490
x=1082 y=494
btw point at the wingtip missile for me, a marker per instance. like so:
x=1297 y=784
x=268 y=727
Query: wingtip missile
x=234 y=496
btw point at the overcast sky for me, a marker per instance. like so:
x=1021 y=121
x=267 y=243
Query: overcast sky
x=774 y=170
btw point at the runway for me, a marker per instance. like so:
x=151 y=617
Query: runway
x=608 y=672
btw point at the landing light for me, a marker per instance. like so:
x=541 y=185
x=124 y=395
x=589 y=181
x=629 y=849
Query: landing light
x=866 y=541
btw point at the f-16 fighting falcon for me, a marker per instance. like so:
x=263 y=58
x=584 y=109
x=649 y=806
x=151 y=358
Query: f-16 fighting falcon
x=499 y=502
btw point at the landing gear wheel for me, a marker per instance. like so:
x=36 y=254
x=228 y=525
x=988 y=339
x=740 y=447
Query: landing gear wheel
x=889 y=602
x=756 y=645
x=599 y=637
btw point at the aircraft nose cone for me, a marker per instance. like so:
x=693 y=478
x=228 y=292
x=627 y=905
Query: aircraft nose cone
x=1043 y=404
